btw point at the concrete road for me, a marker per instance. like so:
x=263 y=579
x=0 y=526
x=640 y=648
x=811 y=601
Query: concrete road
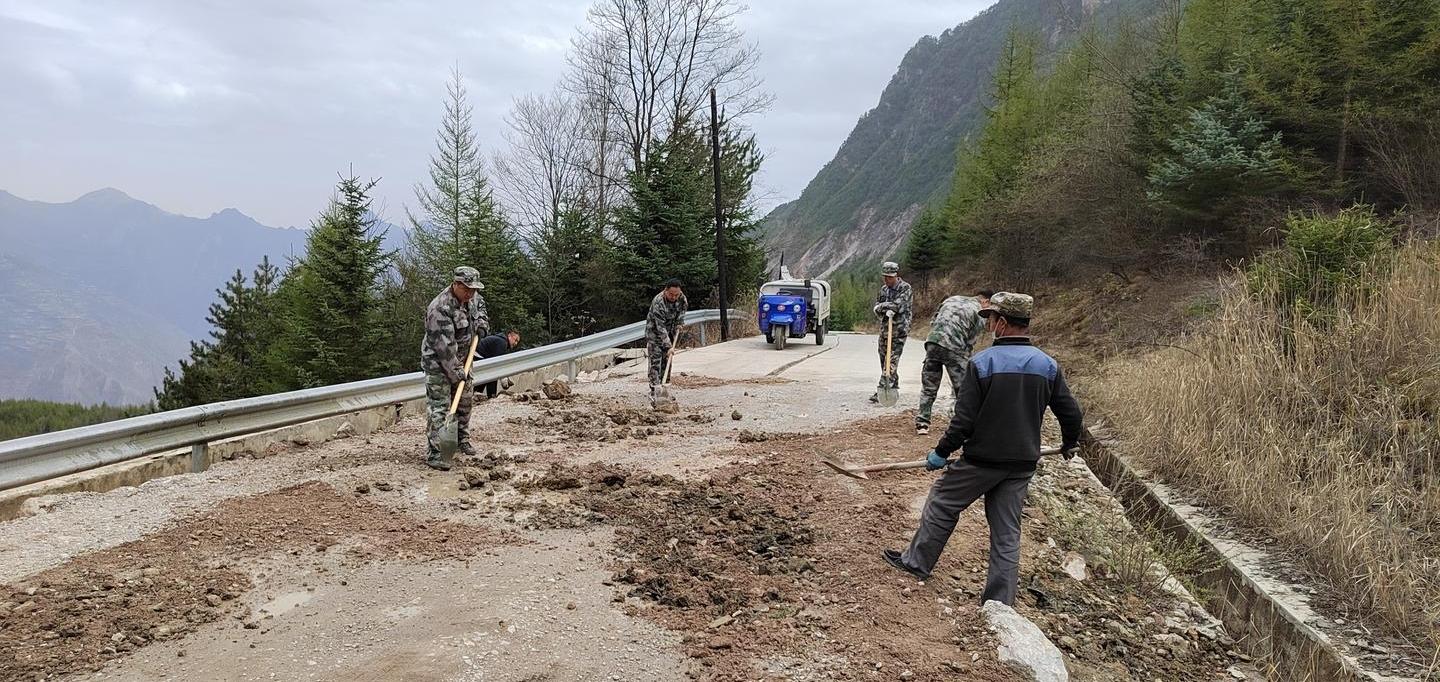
x=527 y=611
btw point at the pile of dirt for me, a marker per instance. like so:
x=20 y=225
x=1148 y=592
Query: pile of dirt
x=603 y=421
x=99 y=606
x=774 y=566
x=687 y=380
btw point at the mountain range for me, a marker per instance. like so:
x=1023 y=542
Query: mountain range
x=100 y=294
x=901 y=155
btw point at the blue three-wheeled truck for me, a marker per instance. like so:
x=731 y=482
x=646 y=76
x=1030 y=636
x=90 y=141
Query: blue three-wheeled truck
x=791 y=308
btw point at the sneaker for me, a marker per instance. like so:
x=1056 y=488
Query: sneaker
x=875 y=397
x=438 y=464
x=893 y=558
x=922 y=429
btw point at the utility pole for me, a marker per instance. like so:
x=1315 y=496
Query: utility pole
x=719 y=218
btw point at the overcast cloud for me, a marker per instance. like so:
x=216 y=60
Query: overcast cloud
x=201 y=105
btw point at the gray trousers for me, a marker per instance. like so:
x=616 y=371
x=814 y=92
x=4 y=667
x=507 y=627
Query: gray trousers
x=960 y=485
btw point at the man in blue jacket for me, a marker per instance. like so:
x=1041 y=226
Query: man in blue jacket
x=997 y=428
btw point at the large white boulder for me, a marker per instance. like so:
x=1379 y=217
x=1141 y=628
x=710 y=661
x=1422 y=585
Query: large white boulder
x=1023 y=646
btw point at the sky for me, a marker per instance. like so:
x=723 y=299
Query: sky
x=200 y=105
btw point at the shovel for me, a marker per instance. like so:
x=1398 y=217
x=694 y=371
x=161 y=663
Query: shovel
x=862 y=471
x=662 y=400
x=890 y=394
x=450 y=432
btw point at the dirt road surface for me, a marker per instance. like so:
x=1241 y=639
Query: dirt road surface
x=593 y=540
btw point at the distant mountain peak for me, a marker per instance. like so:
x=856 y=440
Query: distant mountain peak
x=109 y=194
x=231 y=214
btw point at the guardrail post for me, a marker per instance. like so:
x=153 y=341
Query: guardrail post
x=702 y=334
x=570 y=369
x=199 y=457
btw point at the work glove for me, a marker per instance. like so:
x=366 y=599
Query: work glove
x=883 y=308
x=1070 y=452
x=934 y=462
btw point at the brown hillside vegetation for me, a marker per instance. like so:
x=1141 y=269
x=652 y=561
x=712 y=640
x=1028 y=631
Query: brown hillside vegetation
x=1318 y=429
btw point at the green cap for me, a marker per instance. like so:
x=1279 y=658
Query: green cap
x=1011 y=305
x=890 y=268
x=469 y=276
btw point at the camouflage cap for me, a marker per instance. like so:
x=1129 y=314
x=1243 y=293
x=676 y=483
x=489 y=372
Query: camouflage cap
x=1012 y=305
x=469 y=276
x=890 y=268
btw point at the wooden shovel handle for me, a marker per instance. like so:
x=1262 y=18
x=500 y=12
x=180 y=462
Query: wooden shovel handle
x=670 y=357
x=896 y=466
x=469 y=362
x=889 y=337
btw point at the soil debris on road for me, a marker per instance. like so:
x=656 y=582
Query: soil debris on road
x=102 y=605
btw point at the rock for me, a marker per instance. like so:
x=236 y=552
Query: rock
x=1023 y=647
x=212 y=599
x=556 y=389
x=362 y=488
x=720 y=643
x=346 y=430
x=1074 y=566
x=384 y=486
x=735 y=414
x=476 y=478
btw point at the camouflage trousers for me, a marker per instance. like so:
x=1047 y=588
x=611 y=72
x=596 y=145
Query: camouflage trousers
x=438 y=393
x=656 y=357
x=896 y=348
x=939 y=361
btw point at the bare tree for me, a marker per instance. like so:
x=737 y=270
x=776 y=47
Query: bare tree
x=648 y=64
x=545 y=170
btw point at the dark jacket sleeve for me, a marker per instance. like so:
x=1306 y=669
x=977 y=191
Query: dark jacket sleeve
x=1067 y=411
x=967 y=407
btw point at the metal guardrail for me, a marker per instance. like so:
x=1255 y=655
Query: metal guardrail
x=50 y=455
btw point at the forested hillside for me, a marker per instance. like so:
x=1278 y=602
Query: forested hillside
x=1191 y=137
x=901 y=154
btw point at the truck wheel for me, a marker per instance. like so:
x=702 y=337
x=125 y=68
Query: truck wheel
x=781 y=338
x=769 y=336
x=820 y=334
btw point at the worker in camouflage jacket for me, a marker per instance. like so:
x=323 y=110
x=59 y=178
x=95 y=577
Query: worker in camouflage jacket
x=895 y=301
x=666 y=316
x=953 y=333
x=454 y=317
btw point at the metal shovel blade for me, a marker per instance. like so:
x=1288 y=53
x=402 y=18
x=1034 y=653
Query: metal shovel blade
x=449 y=438
x=841 y=468
x=889 y=396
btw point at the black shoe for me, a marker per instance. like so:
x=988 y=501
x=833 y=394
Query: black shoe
x=892 y=557
x=467 y=449
x=875 y=397
x=439 y=464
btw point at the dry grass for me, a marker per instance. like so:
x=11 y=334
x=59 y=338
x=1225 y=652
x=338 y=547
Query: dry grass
x=1323 y=435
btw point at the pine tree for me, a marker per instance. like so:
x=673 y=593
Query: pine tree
x=928 y=248
x=333 y=331
x=462 y=224
x=566 y=257
x=1224 y=153
x=661 y=233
